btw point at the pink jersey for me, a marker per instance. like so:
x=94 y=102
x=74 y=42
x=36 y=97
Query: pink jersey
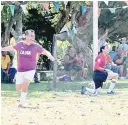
x=100 y=61
x=27 y=55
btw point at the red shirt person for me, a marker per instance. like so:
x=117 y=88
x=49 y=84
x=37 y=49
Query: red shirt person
x=100 y=62
x=100 y=74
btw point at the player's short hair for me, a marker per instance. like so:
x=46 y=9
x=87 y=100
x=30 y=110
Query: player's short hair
x=27 y=32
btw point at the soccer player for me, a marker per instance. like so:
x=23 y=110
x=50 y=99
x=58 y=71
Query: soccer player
x=27 y=51
x=100 y=74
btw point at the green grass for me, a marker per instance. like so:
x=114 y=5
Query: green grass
x=35 y=90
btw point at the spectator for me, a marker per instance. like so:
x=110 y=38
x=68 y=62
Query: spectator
x=80 y=63
x=36 y=77
x=110 y=64
x=119 y=59
x=12 y=53
x=70 y=60
x=12 y=72
x=5 y=64
x=124 y=46
x=112 y=53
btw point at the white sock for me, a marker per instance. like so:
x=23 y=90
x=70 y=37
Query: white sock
x=92 y=91
x=22 y=97
x=111 y=87
x=92 y=85
x=98 y=90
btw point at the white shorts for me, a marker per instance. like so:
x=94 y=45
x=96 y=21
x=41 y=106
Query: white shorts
x=21 y=76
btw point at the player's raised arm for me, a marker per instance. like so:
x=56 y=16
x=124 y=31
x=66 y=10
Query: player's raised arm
x=48 y=54
x=8 y=48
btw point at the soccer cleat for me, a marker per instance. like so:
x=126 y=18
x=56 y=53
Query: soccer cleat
x=111 y=93
x=83 y=89
x=37 y=82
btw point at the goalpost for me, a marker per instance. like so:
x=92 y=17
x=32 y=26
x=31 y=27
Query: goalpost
x=95 y=30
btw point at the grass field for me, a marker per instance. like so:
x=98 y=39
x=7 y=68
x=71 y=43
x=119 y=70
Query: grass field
x=65 y=105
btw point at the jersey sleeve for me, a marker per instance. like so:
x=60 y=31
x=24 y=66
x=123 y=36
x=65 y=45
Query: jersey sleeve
x=17 y=46
x=97 y=63
x=39 y=49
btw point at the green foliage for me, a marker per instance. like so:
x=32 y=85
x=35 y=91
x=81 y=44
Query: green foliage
x=40 y=20
x=61 y=51
x=5 y=14
x=108 y=19
x=42 y=11
x=54 y=15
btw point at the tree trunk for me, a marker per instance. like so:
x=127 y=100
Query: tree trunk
x=83 y=40
x=17 y=31
x=119 y=20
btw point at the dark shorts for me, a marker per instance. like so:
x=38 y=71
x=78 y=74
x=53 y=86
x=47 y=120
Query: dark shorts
x=72 y=67
x=99 y=78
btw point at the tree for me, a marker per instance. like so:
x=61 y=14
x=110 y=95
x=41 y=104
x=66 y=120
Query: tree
x=117 y=22
x=11 y=23
x=82 y=41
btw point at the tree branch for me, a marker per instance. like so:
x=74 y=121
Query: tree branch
x=13 y=32
x=63 y=21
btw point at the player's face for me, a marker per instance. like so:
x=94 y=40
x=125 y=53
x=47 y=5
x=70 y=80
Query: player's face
x=30 y=37
x=106 y=49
